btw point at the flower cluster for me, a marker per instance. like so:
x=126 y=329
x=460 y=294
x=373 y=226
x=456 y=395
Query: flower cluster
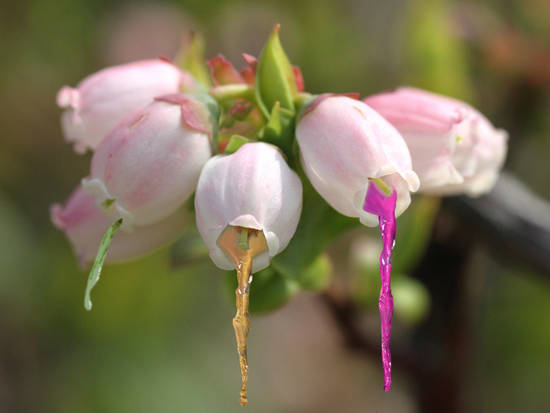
x=248 y=145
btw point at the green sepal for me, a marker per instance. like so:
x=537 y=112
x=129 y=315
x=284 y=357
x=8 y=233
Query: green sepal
x=235 y=142
x=95 y=272
x=108 y=202
x=302 y=101
x=269 y=290
x=279 y=129
x=317 y=276
x=274 y=77
x=190 y=57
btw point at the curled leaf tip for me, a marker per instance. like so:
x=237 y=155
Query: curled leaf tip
x=95 y=272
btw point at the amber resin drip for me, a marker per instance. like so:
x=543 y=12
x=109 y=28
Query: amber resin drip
x=242 y=245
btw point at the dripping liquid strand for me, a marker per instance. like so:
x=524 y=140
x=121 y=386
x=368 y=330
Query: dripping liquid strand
x=381 y=202
x=241 y=323
x=242 y=245
x=385 y=302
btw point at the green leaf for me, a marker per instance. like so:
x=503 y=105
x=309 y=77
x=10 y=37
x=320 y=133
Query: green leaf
x=190 y=57
x=274 y=77
x=95 y=272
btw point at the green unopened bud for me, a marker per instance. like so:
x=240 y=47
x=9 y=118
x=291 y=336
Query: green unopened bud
x=411 y=300
x=190 y=57
x=317 y=276
x=275 y=80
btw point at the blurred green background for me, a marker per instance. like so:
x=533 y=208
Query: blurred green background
x=159 y=338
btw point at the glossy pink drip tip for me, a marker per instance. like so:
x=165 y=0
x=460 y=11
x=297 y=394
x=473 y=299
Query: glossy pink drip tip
x=382 y=205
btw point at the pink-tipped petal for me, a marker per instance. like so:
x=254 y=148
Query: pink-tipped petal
x=150 y=164
x=103 y=99
x=447 y=139
x=343 y=143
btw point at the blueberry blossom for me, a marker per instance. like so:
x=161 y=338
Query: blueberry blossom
x=84 y=224
x=253 y=188
x=150 y=163
x=101 y=100
x=247 y=207
x=344 y=145
x=454 y=148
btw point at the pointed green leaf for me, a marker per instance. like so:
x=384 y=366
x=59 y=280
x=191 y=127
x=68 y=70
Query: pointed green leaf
x=95 y=272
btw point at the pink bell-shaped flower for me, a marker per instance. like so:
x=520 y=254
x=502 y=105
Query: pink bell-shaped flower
x=103 y=99
x=252 y=188
x=454 y=148
x=344 y=144
x=84 y=224
x=150 y=163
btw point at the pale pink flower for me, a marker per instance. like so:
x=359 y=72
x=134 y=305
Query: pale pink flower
x=101 y=100
x=454 y=148
x=84 y=224
x=150 y=163
x=343 y=143
x=252 y=188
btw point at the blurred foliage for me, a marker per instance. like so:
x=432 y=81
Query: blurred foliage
x=160 y=335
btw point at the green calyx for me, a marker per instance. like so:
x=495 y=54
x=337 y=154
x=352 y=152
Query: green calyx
x=279 y=130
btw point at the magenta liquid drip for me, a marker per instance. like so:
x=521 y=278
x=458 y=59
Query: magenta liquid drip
x=382 y=205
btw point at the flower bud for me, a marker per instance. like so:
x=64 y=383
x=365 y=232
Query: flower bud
x=103 y=99
x=454 y=148
x=148 y=166
x=85 y=224
x=343 y=145
x=252 y=188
